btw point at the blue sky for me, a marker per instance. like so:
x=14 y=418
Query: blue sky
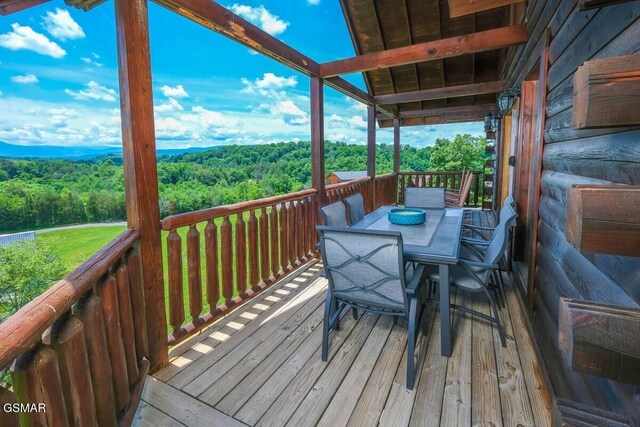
x=59 y=83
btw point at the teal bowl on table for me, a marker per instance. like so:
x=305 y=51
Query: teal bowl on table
x=407 y=216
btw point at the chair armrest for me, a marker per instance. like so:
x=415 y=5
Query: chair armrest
x=412 y=286
x=477 y=227
x=472 y=263
x=475 y=242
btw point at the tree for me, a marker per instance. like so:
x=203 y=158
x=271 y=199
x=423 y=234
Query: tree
x=27 y=269
x=464 y=152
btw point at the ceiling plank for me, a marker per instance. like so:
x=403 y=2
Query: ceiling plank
x=475 y=109
x=467 y=7
x=433 y=120
x=441 y=93
x=428 y=51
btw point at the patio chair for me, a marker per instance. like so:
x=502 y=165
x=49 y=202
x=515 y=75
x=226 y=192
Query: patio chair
x=457 y=198
x=473 y=273
x=334 y=215
x=481 y=241
x=417 y=197
x=355 y=205
x=366 y=271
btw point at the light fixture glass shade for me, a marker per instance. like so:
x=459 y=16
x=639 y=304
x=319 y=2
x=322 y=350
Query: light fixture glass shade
x=506 y=100
x=488 y=123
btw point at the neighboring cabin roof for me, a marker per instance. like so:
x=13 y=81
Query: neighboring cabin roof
x=381 y=25
x=349 y=175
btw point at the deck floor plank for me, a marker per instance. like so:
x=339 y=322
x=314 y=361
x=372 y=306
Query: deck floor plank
x=267 y=370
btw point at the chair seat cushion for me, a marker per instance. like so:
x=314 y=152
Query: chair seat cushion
x=458 y=276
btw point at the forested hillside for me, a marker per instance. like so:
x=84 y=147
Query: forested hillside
x=42 y=193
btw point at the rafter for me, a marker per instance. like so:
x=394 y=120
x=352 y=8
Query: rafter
x=441 y=93
x=428 y=51
x=466 y=7
x=464 y=110
x=8 y=7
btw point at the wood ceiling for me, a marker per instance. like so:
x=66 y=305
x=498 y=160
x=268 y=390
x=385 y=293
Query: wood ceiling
x=377 y=25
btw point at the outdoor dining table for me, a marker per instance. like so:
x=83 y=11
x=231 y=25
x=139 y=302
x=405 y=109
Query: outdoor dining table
x=436 y=242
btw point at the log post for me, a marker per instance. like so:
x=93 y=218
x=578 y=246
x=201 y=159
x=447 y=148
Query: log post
x=396 y=145
x=140 y=168
x=317 y=138
x=371 y=152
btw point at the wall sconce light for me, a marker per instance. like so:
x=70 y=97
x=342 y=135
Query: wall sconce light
x=488 y=123
x=506 y=100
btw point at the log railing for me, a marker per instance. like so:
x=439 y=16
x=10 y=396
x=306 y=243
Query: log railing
x=80 y=348
x=446 y=179
x=232 y=253
x=337 y=192
x=386 y=190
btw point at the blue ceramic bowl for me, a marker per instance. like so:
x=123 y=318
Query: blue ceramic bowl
x=407 y=216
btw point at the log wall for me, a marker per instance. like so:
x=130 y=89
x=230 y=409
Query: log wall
x=579 y=156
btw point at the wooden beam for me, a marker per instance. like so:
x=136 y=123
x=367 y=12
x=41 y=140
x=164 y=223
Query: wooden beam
x=475 y=109
x=396 y=145
x=140 y=166
x=371 y=151
x=433 y=120
x=429 y=51
x=600 y=339
x=343 y=86
x=8 y=7
x=604 y=219
x=441 y=93
x=467 y=7
x=316 y=94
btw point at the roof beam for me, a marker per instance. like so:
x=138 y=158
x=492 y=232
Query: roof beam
x=433 y=120
x=441 y=93
x=221 y=20
x=8 y=7
x=428 y=51
x=464 y=110
x=465 y=7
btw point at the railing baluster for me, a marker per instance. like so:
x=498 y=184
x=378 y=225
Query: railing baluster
x=176 y=302
x=241 y=254
x=110 y=311
x=67 y=339
x=36 y=379
x=254 y=258
x=126 y=323
x=211 y=253
x=284 y=238
x=291 y=226
x=226 y=260
x=300 y=234
x=265 y=243
x=194 y=274
x=89 y=311
x=273 y=239
x=137 y=301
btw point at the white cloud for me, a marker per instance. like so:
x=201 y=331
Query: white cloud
x=170 y=105
x=261 y=17
x=290 y=113
x=60 y=116
x=313 y=2
x=27 y=39
x=358 y=122
x=25 y=79
x=61 y=25
x=95 y=55
x=174 y=92
x=93 y=91
x=90 y=61
x=269 y=84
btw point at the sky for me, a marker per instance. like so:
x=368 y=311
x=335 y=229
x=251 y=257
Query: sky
x=59 y=81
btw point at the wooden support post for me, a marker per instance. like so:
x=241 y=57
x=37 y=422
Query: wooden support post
x=140 y=168
x=317 y=138
x=371 y=152
x=396 y=145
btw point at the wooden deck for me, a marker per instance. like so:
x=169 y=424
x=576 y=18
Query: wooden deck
x=261 y=366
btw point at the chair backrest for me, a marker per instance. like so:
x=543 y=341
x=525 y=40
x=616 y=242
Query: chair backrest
x=365 y=267
x=416 y=197
x=500 y=236
x=334 y=215
x=465 y=188
x=355 y=203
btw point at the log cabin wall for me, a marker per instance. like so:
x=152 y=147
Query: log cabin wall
x=570 y=156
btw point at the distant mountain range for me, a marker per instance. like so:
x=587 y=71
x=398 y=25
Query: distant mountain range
x=77 y=152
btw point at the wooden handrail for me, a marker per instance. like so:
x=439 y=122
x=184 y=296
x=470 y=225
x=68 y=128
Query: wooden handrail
x=24 y=328
x=437 y=172
x=184 y=219
x=347 y=183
